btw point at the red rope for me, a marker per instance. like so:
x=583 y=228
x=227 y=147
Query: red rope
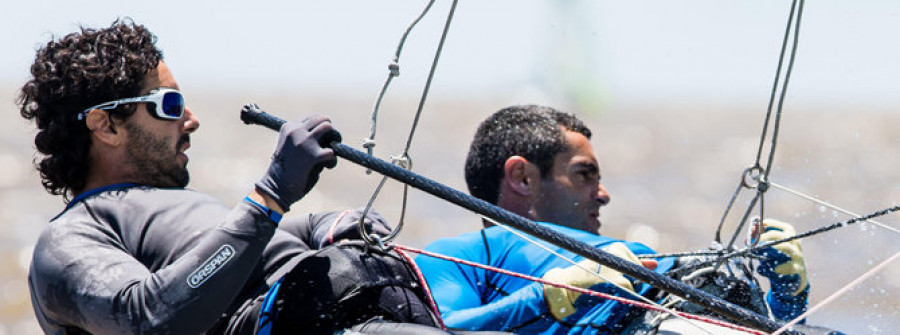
x=576 y=289
x=334 y=225
x=431 y=303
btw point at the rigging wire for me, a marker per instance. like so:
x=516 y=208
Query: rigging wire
x=757 y=171
x=837 y=294
x=748 y=250
x=393 y=71
x=826 y=204
x=404 y=160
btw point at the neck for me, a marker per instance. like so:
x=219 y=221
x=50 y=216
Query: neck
x=107 y=169
x=517 y=205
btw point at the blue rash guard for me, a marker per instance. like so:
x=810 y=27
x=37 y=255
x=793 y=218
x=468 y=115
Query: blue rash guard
x=476 y=299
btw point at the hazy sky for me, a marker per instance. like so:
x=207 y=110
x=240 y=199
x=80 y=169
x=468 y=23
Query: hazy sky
x=619 y=50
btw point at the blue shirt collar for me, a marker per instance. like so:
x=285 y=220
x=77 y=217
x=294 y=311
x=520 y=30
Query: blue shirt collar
x=98 y=190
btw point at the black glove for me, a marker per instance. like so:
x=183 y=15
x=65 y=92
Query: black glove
x=300 y=155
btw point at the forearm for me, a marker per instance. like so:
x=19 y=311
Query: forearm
x=111 y=292
x=507 y=313
x=196 y=290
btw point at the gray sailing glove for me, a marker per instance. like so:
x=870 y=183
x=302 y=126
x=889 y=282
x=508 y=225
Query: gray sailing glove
x=302 y=151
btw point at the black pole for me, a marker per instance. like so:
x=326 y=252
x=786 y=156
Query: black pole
x=253 y=115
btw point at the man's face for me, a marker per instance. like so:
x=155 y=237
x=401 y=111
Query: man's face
x=155 y=147
x=571 y=194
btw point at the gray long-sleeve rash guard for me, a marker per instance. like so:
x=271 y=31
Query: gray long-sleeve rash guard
x=148 y=260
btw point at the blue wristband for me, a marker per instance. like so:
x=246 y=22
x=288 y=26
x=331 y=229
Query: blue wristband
x=273 y=215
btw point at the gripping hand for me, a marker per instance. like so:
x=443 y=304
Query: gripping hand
x=783 y=263
x=587 y=274
x=301 y=154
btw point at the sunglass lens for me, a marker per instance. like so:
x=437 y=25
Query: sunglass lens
x=173 y=104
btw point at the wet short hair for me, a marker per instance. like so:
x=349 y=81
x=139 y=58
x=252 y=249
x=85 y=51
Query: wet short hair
x=73 y=73
x=531 y=131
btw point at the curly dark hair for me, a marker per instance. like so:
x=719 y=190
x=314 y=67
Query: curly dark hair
x=531 y=131
x=73 y=73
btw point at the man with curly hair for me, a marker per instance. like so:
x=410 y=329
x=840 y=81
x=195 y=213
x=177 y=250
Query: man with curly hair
x=134 y=251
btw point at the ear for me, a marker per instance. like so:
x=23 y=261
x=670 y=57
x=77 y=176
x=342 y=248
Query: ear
x=102 y=128
x=520 y=175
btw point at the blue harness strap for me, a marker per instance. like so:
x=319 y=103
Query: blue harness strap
x=268 y=314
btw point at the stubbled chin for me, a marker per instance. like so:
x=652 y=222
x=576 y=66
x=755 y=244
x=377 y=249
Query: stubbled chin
x=595 y=225
x=182 y=159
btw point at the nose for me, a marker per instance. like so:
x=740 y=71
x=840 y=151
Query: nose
x=602 y=195
x=191 y=122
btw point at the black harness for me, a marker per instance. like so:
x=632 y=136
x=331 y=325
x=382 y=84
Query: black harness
x=347 y=284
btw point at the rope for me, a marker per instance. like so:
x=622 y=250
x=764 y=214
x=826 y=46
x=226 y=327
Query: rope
x=404 y=158
x=826 y=204
x=578 y=289
x=809 y=233
x=858 y=217
x=421 y=277
x=840 y=292
x=689 y=254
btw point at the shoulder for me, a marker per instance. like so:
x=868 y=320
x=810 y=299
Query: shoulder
x=141 y=197
x=457 y=244
x=137 y=202
x=75 y=226
x=468 y=246
x=599 y=240
x=168 y=195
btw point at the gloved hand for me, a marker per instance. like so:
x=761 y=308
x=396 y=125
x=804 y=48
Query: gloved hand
x=299 y=157
x=561 y=302
x=783 y=263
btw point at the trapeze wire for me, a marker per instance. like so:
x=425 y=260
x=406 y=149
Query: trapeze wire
x=404 y=158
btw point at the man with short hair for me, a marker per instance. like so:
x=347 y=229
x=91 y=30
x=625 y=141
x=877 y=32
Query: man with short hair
x=538 y=162
x=134 y=251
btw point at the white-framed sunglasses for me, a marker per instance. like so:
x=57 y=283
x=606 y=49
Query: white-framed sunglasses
x=168 y=104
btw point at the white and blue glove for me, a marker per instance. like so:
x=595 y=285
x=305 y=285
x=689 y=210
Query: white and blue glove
x=589 y=275
x=783 y=265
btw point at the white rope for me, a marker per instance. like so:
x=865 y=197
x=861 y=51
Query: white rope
x=826 y=204
x=837 y=294
x=569 y=260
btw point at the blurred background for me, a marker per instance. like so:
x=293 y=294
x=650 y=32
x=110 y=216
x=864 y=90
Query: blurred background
x=675 y=91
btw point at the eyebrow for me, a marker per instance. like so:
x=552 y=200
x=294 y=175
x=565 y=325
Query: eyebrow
x=591 y=167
